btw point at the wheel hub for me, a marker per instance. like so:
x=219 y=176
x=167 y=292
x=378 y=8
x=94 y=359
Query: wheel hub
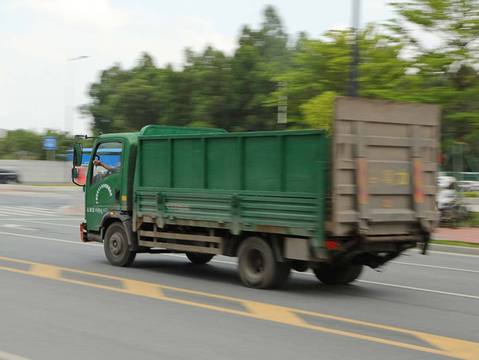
x=256 y=261
x=116 y=245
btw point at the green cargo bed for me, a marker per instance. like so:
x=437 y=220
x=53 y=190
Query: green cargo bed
x=272 y=182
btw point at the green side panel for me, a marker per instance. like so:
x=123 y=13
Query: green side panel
x=296 y=215
x=188 y=163
x=223 y=164
x=262 y=163
x=301 y=156
x=257 y=181
x=155 y=171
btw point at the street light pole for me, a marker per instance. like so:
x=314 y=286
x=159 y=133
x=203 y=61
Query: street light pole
x=354 y=71
x=70 y=93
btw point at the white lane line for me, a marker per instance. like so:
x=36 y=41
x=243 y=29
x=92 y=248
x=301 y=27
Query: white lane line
x=435 y=267
x=7 y=356
x=475 y=297
x=18 y=226
x=32 y=208
x=14 y=211
x=49 y=239
x=23 y=208
x=27 y=218
x=451 y=253
x=48 y=223
x=467 y=296
x=9 y=209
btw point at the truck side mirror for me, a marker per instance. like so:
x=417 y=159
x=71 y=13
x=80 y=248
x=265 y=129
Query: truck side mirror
x=78 y=172
x=78 y=176
x=77 y=154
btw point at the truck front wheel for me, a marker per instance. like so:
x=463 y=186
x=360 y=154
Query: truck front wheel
x=337 y=274
x=116 y=246
x=258 y=267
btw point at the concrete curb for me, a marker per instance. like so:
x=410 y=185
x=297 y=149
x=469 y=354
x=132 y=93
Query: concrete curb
x=455 y=249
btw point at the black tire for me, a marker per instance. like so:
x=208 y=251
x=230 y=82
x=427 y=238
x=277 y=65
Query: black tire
x=337 y=274
x=300 y=266
x=115 y=245
x=258 y=267
x=199 y=258
x=282 y=274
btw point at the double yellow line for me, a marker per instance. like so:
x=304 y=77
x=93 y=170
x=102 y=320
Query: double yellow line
x=418 y=341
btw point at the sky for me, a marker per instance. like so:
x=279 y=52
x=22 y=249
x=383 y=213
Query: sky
x=40 y=86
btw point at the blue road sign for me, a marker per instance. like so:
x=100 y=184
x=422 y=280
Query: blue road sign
x=50 y=143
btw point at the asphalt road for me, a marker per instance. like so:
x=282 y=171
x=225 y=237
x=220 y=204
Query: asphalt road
x=60 y=299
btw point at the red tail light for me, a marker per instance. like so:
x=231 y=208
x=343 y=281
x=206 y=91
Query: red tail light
x=332 y=245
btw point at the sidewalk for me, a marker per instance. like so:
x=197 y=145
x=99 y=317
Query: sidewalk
x=470 y=234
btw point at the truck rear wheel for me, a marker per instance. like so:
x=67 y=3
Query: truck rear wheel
x=115 y=245
x=199 y=258
x=337 y=274
x=258 y=267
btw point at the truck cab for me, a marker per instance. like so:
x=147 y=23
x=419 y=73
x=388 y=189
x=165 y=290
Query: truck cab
x=108 y=181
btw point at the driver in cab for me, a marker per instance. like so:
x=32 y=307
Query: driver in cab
x=99 y=174
x=97 y=162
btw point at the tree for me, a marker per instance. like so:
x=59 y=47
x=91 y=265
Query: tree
x=322 y=66
x=318 y=112
x=447 y=72
x=261 y=56
x=27 y=144
x=210 y=77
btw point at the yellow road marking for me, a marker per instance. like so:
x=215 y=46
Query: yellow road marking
x=143 y=289
x=47 y=271
x=461 y=348
x=274 y=313
x=445 y=346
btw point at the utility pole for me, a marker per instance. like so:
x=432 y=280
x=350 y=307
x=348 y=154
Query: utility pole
x=70 y=92
x=354 y=72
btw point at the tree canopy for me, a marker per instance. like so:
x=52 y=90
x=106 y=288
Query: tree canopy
x=428 y=52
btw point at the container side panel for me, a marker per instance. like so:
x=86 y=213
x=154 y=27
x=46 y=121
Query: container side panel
x=154 y=163
x=223 y=169
x=254 y=181
x=188 y=162
x=282 y=211
x=262 y=164
x=301 y=157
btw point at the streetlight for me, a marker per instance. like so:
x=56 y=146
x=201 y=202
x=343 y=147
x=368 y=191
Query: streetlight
x=70 y=100
x=353 y=80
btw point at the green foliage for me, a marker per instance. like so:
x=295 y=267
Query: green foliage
x=27 y=144
x=242 y=91
x=447 y=73
x=319 y=111
x=215 y=89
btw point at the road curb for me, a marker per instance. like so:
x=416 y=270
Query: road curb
x=454 y=249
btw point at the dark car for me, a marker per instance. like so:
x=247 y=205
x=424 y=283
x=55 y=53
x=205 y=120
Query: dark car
x=8 y=176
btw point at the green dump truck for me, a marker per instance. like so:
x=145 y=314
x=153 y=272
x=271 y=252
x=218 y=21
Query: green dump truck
x=277 y=200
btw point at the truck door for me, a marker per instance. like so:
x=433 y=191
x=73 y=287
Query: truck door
x=104 y=183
